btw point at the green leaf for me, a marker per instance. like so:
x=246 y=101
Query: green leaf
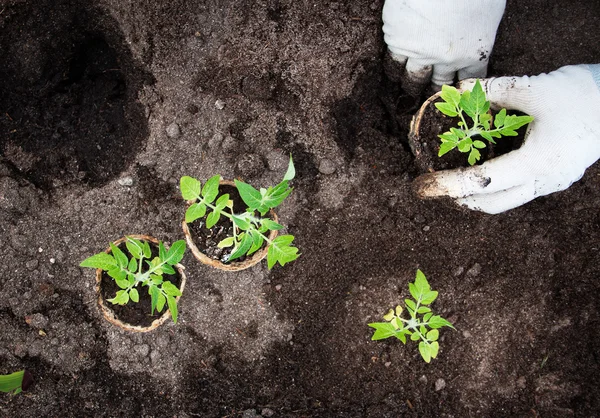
x=154 y=293
x=499 y=118
x=222 y=202
x=213 y=218
x=135 y=247
x=465 y=145
x=12 y=382
x=242 y=247
x=428 y=297
x=172 y=307
x=162 y=251
x=167 y=269
x=271 y=225
x=434 y=348
x=257 y=242
x=478 y=99
x=251 y=197
x=410 y=304
x=437 y=321
x=227 y=242
x=134 y=295
x=120 y=257
x=415 y=336
x=485 y=135
x=121 y=298
x=389 y=316
x=211 y=189
x=396 y=322
x=449 y=137
x=423 y=309
x=195 y=211
x=450 y=95
x=402 y=336
x=383 y=330
x=447 y=109
x=485 y=119
x=99 y=261
x=190 y=188
x=446 y=147
x=123 y=283
x=117 y=273
x=427 y=316
x=175 y=253
x=281 y=251
x=433 y=335
x=474 y=156
x=458 y=133
x=240 y=222
x=147 y=250
x=425 y=351
x=479 y=144
x=132 y=265
x=170 y=289
x=291 y=171
x=160 y=302
x=466 y=105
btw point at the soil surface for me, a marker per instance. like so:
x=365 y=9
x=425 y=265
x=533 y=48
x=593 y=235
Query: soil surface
x=105 y=104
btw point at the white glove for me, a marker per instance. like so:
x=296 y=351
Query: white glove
x=448 y=35
x=561 y=142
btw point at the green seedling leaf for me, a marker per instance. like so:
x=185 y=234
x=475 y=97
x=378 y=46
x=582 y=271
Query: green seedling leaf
x=479 y=144
x=242 y=247
x=172 y=307
x=121 y=298
x=222 y=202
x=212 y=219
x=281 y=251
x=251 y=197
x=465 y=145
x=271 y=225
x=120 y=257
x=425 y=351
x=195 y=211
x=409 y=303
x=170 y=289
x=190 y=188
x=147 y=250
x=389 y=316
x=437 y=321
x=499 y=119
x=210 y=190
x=415 y=336
x=167 y=269
x=428 y=297
x=132 y=265
x=12 y=383
x=257 y=242
x=134 y=247
x=383 y=330
x=154 y=293
x=161 y=300
x=134 y=295
x=447 y=109
x=474 y=156
x=291 y=171
x=450 y=95
x=101 y=261
x=446 y=147
x=240 y=222
x=433 y=335
x=227 y=242
x=434 y=348
x=175 y=253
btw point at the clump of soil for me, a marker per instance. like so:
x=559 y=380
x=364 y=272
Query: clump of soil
x=132 y=313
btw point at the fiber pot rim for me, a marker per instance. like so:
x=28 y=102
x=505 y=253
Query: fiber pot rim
x=109 y=314
x=234 y=265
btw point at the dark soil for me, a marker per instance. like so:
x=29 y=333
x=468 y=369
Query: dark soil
x=434 y=123
x=105 y=104
x=139 y=313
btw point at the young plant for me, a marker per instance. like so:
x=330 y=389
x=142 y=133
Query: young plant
x=250 y=231
x=141 y=271
x=474 y=105
x=422 y=325
x=16 y=382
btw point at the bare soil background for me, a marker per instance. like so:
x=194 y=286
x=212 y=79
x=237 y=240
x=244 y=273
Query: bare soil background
x=105 y=104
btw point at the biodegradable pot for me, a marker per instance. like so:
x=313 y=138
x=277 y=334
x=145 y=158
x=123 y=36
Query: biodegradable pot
x=106 y=307
x=424 y=142
x=234 y=265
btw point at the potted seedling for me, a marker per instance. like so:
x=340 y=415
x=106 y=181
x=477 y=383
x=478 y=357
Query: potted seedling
x=458 y=125
x=232 y=225
x=420 y=326
x=136 y=277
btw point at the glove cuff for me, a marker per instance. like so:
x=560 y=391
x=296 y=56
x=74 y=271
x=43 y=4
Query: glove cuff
x=595 y=70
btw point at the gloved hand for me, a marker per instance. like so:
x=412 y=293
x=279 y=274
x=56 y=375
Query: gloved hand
x=561 y=142
x=441 y=36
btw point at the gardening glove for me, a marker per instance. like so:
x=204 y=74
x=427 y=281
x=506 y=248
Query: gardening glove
x=561 y=142
x=434 y=39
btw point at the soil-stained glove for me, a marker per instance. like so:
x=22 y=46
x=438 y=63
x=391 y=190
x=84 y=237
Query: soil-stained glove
x=438 y=38
x=561 y=142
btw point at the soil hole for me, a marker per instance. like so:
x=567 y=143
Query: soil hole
x=68 y=83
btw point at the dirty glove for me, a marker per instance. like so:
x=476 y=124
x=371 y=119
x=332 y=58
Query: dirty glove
x=441 y=37
x=561 y=142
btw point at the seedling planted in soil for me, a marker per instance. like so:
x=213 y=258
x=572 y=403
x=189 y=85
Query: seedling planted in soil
x=141 y=271
x=422 y=325
x=250 y=228
x=16 y=382
x=474 y=105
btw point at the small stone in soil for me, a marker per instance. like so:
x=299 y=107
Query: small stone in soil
x=220 y=104
x=440 y=384
x=475 y=270
x=327 y=167
x=125 y=181
x=173 y=130
x=278 y=287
